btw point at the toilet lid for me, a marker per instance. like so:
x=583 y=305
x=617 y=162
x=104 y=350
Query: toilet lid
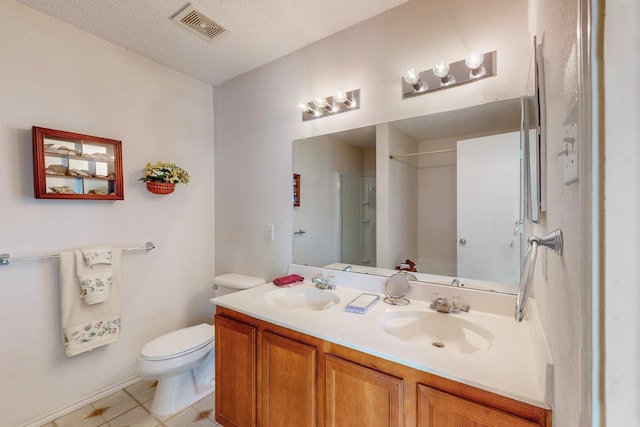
x=177 y=342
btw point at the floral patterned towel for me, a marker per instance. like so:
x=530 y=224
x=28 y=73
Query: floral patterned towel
x=89 y=335
x=84 y=326
x=97 y=257
x=95 y=288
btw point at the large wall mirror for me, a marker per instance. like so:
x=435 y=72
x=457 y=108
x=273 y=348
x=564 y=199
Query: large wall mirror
x=446 y=191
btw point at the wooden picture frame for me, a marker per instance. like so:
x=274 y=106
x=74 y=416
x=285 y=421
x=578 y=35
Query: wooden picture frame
x=296 y=189
x=68 y=165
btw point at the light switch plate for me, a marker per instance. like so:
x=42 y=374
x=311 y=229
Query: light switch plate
x=570 y=154
x=570 y=164
x=269 y=232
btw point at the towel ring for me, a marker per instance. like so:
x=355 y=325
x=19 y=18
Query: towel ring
x=551 y=241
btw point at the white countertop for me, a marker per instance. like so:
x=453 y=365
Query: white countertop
x=517 y=365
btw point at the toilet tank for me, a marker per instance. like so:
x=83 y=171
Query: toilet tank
x=233 y=282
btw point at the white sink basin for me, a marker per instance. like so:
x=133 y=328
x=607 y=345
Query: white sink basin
x=448 y=332
x=301 y=299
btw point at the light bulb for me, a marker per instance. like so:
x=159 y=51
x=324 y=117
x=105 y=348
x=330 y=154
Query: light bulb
x=474 y=62
x=475 y=58
x=340 y=96
x=441 y=69
x=413 y=78
x=319 y=101
x=306 y=109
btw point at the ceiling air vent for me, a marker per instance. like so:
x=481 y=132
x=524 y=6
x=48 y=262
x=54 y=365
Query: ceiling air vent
x=198 y=22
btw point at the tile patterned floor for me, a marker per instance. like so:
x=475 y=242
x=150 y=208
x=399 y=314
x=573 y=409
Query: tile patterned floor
x=131 y=407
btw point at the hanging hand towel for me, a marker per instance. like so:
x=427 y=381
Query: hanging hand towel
x=97 y=257
x=85 y=327
x=95 y=285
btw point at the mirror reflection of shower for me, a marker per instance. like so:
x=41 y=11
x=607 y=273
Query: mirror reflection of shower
x=356 y=198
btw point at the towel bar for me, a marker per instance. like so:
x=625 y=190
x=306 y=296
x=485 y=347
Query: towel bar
x=5 y=259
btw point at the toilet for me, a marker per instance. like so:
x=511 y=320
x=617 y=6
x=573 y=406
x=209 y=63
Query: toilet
x=182 y=361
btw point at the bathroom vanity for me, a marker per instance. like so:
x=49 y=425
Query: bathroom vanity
x=295 y=357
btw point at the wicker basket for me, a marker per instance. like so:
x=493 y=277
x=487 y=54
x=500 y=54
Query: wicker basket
x=160 y=187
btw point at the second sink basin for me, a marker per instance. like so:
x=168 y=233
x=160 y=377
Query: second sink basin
x=301 y=298
x=446 y=331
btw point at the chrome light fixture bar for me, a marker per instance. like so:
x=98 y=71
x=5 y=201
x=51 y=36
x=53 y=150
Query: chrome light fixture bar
x=443 y=75
x=321 y=106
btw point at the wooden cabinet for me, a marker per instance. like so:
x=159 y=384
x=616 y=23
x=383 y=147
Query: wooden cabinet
x=265 y=375
x=357 y=395
x=287 y=387
x=438 y=409
x=235 y=373
x=271 y=376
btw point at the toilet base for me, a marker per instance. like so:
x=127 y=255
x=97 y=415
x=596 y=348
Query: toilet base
x=177 y=392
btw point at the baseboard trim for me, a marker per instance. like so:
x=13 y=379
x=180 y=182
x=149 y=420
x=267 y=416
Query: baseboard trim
x=57 y=413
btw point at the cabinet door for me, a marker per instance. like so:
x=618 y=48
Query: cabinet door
x=360 y=396
x=287 y=382
x=235 y=373
x=438 y=409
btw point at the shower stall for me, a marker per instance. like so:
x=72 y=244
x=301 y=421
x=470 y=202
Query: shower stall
x=356 y=201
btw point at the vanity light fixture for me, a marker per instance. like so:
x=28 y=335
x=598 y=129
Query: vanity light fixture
x=476 y=66
x=322 y=106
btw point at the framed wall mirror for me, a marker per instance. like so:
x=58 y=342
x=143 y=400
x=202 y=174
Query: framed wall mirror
x=69 y=165
x=446 y=191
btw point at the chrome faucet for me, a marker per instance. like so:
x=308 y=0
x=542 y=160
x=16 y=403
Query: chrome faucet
x=321 y=282
x=442 y=305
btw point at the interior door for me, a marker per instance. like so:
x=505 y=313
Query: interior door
x=488 y=207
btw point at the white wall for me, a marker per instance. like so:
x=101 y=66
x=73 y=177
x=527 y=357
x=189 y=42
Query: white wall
x=560 y=286
x=397 y=200
x=437 y=208
x=54 y=75
x=621 y=111
x=257 y=118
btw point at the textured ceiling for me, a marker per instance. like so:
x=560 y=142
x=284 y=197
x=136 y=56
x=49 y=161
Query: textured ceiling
x=258 y=31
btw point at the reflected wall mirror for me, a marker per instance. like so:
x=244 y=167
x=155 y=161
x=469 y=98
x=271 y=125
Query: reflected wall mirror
x=446 y=191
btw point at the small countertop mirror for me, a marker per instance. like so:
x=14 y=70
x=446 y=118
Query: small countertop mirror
x=397 y=288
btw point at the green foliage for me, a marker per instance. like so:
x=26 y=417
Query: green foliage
x=165 y=172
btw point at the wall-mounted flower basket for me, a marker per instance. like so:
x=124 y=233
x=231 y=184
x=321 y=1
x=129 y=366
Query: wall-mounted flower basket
x=161 y=178
x=161 y=187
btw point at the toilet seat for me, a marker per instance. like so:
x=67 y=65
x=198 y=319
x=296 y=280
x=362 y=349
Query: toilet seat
x=178 y=343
